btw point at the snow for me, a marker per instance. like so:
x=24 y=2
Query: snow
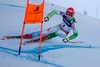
x=92 y=7
x=54 y=53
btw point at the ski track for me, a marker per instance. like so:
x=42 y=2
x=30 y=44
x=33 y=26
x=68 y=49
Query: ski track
x=47 y=48
x=34 y=51
x=12 y=5
x=29 y=55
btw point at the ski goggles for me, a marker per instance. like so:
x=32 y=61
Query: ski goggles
x=69 y=14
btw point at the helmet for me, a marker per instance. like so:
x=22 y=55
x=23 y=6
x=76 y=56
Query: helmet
x=70 y=11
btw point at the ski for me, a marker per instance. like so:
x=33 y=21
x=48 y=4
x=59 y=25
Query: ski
x=30 y=41
x=79 y=42
x=10 y=37
x=35 y=40
x=76 y=42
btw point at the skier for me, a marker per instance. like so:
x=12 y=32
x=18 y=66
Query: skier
x=61 y=30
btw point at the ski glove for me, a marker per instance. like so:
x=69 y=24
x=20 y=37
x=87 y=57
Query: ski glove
x=46 y=19
x=65 y=40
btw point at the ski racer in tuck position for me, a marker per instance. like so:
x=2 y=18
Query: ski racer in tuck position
x=61 y=30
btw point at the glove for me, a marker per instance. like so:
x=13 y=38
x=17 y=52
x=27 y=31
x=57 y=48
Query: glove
x=65 y=40
x=46 y=19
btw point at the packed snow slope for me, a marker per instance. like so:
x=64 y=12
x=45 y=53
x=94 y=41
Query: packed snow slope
x=54 y=52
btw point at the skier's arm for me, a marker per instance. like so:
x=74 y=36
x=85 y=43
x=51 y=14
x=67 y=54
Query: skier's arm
x=75 y=34
x=53 y=13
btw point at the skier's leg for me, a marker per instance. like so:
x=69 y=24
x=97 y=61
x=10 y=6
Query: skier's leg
x=27 y=36
x=46 y=34
x=61 y=34
x=36 y=35
x=56 y=31
x=49 y=36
